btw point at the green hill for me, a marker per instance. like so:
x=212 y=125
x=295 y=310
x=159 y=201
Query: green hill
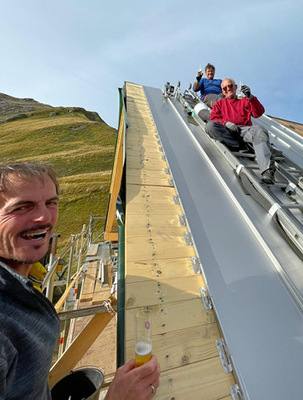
x=78 y=143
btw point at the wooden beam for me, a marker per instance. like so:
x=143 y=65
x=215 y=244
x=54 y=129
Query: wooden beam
x=89 y=282
x=111 y=228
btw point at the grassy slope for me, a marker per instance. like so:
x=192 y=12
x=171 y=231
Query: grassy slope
x=81 y=150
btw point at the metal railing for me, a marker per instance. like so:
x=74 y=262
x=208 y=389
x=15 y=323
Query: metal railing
x=76 y=249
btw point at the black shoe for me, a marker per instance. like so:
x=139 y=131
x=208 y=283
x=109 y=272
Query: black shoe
x=275 y=152
x=232 y=148
x=268 y=176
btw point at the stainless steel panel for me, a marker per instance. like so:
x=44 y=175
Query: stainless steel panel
x=261 y=321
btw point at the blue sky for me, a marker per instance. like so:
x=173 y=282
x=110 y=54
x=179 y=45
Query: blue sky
x=79 y=52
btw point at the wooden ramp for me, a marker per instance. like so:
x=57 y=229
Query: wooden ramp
x=159 y=269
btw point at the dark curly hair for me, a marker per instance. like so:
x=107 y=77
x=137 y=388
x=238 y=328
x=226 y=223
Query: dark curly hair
x=210 y=66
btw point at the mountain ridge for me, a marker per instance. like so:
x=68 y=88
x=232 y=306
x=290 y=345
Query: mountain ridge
x=13 y=108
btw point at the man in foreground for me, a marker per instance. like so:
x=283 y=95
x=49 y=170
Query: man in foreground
x=29 y=325
x=230 y=122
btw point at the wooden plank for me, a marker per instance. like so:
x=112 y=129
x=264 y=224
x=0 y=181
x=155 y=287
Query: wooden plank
x=178 y=348
x=102 y=292
x=138 y=108
x=147 y=250
x=135 y=151
x=142 y=106
x=111 y=228
x=89 y=282
x=92 y=250
x=144 y=180
x=156 y=234
x=140 y=270
x=154 y=154
x=148 y=132
x=157 y=173
x=141 y=117
x=153 y=209
x=202 y=380
x=152 y=194
x=151 y=292
x=146 y=163
x=142 y=140
x=151 y=221
x=169 y=317
x=147 y=177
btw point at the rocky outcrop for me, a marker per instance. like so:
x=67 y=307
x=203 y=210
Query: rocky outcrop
x=13 y=108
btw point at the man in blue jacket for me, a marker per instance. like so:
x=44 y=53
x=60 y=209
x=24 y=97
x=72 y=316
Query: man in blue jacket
x=209 y=87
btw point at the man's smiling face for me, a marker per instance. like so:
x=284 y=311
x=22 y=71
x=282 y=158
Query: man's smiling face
x=28 y=214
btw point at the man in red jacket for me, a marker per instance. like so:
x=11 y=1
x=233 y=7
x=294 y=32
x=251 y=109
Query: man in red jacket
x=230 y=123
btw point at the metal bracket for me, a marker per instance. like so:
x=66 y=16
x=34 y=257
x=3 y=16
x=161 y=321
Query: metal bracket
x=182 y=220
x=161 y=149
x=176 y=199
x=236 y=393
x=170 y=182
x=163 y=158
x=188 y=238
x=291 y=188
x=195 y=262
x=167 y=171
x=238 y=169
x=224 y=355
x=206 y=300
x=159 y=142
x=273 y=209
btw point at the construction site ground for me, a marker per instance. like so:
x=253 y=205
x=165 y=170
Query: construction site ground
x=102 y=353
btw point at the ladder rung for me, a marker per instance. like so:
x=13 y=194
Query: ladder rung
x=292 y=205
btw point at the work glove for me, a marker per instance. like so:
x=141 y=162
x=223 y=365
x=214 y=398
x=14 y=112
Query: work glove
x=233 y=128
x=199 y=75
x=246 y=91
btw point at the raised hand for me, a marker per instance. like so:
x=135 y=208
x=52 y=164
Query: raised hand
x=246 y=91
x=199 y=75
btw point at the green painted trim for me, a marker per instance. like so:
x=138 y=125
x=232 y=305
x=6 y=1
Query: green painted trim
x=121 y=285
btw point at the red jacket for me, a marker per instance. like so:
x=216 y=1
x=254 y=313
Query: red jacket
x=238 y=111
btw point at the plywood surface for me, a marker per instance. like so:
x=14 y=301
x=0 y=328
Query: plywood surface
x=141 y=270
x=203 y=380
x=89 y=282
x=159 y=269
x=179 y=348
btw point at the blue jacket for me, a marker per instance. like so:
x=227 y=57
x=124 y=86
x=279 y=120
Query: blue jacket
x=207 y=86
x=29 y=328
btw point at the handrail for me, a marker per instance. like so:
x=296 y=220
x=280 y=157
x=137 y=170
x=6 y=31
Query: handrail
x=79 y=242
x=63 y=298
